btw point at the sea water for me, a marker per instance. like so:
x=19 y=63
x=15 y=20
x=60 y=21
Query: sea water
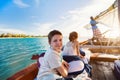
x=16 y=53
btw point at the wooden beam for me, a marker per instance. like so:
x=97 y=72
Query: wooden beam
x=99 y=47
x=105 y=58
x=103 y=49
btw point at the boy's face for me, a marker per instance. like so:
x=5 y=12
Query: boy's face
x=56 y=42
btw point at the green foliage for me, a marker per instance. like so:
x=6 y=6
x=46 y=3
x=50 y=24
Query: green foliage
x=6 y=35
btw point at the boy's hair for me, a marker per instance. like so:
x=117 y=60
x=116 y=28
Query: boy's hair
x=52 y=33
x=73 y=35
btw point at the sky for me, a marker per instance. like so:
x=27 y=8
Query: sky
x=39 y=17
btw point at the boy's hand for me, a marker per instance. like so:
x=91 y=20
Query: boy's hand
x=66 y=65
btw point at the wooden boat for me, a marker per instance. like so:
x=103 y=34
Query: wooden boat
x=103 y=65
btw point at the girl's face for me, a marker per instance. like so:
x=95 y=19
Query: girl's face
x=56 y=42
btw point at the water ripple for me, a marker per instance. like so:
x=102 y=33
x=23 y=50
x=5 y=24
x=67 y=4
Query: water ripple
x=15 y=54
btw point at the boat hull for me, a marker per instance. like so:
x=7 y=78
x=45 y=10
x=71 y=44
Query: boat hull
x=29 y=73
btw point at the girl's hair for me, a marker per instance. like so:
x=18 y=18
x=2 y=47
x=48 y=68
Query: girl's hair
x=91 y=18
x=73 y=35
x=52 y=33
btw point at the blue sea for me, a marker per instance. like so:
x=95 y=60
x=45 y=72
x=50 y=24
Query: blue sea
x=16 y=53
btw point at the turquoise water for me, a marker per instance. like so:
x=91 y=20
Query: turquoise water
x=15 y=53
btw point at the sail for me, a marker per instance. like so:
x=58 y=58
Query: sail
x=108 y=21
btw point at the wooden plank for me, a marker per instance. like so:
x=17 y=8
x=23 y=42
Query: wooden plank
x=97 y=71
x=109 y=51
x=100 y=47
x=29 y=73
x=108 y=71
x=105 y=57
x=101 y=73
x=109 y=75
x=102 y=70
x=94 y=71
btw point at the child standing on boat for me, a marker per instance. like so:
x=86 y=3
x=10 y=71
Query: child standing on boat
x=53 y=67
x=96 y=32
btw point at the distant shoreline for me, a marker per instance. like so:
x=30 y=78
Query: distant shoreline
x=21 y=37
x=12 y=35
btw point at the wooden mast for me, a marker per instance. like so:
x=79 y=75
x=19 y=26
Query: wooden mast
x=118 y=1
x=119 y=10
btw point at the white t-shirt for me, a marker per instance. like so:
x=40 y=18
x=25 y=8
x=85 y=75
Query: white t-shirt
x=50 y=61
x=68 y=49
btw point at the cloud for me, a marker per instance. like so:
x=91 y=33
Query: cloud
x=37 y=2
x=42 y=29
x=6 y=30
x=20 y=3
x=94 y=8
x=34 y=17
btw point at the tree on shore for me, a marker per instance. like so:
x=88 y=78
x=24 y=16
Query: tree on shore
x=5 y=35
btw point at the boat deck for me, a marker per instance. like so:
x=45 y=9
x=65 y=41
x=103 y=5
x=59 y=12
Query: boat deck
x=102 y=70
